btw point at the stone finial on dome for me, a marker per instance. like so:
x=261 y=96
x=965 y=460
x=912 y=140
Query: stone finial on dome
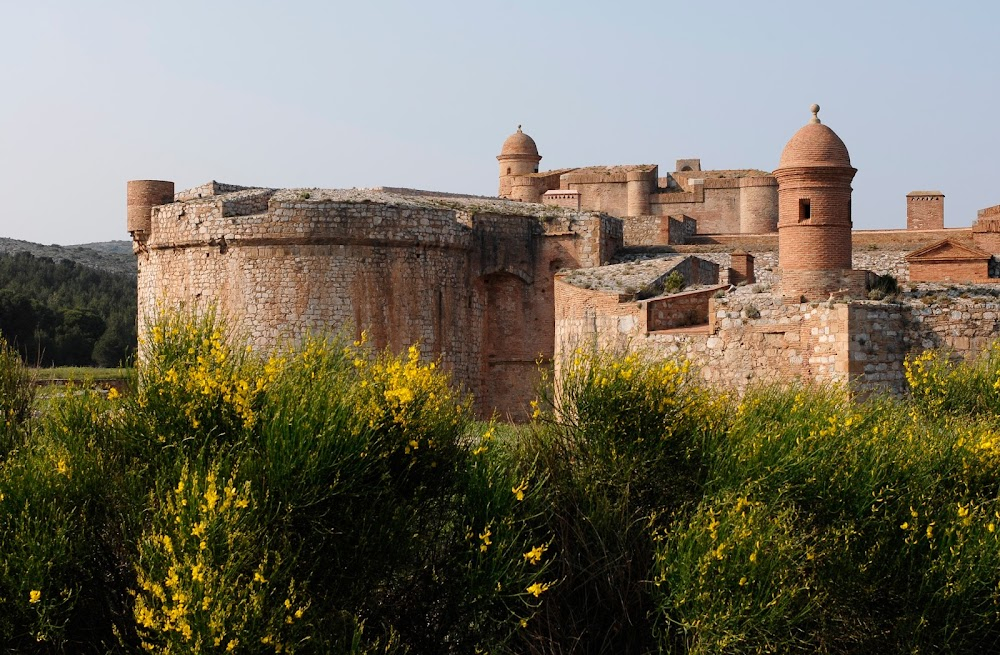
x=814 y=108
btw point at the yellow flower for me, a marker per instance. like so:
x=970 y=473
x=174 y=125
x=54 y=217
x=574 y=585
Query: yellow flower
x=485 y=538
x=34 y=596
x=113 y=394
x=62 y=468
x=538 y=588
x=534 y=556
x=518 y=491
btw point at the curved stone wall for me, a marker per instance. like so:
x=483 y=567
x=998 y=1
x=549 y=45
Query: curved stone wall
x=758 y=205
x=468 y=279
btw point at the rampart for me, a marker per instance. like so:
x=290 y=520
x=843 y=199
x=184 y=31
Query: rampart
x=755 y=338
x=469 y=279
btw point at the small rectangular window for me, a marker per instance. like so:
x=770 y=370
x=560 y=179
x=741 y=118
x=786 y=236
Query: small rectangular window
x=804 y=213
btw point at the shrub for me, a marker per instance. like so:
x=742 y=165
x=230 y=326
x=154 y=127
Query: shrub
x=938 y=384
x=737 y=577
x=622 y=441
x=54 y=562
x=16 y=397
x=207 y=581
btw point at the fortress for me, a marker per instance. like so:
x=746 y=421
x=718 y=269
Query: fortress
x=753 y=276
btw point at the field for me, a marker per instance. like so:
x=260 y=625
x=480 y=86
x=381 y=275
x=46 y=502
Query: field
x=334 y=499
x=78 y=374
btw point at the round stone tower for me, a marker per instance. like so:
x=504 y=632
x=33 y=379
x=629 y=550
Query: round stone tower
x=143 y=195
x=518 y=156
x=814 y=214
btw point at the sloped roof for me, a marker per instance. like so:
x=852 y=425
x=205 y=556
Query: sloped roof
x=946 y=250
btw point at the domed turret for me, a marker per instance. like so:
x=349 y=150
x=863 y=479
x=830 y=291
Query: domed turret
x=814 y=214
x=815 y=144
x=519 y=144
x=518 y=156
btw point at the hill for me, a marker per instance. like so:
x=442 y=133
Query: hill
x=109 y=256
x=57 y=311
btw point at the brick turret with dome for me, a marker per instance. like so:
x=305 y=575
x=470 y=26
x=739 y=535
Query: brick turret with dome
x=814 y=215
x=518 y=156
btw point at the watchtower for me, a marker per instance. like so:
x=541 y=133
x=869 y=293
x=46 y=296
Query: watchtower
x=814 y=214
x=518 y=156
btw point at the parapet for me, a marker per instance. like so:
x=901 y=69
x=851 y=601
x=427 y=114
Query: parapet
x=208 y=190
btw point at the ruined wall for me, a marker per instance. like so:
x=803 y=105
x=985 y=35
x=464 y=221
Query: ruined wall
x=754 y=338
x=750 y=339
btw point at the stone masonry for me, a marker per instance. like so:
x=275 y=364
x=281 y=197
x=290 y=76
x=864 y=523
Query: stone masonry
x=776 y=284
x=470 y=279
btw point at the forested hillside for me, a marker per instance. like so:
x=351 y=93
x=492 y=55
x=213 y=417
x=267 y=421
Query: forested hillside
x=113 y=256
x=62 y=313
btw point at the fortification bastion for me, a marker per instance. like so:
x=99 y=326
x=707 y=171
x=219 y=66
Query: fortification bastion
x=468 y=278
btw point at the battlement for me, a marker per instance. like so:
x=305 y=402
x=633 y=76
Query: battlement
x=208 y=190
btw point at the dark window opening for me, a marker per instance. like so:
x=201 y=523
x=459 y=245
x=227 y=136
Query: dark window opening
x=804 y=211
x=508 y=170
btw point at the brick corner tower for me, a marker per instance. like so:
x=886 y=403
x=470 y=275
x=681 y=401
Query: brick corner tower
x=814 y=215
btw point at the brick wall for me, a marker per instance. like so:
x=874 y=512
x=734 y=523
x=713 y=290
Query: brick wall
x=678 y=310
x=956 y=271
x=924 y=210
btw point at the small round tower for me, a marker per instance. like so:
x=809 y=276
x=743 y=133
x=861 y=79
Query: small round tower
x=639 y=185
x=814 y=214
x=518 y=156
x=143 y=195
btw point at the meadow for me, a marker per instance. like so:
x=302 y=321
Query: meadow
x=336 y=499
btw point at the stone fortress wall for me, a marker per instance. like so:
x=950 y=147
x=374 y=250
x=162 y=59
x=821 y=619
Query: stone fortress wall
x=777 y=282
x=469 y=279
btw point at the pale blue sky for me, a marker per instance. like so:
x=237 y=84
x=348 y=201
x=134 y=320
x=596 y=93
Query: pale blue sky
x=422 y=94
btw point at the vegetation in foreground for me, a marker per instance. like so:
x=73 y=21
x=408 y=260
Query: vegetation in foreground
x=333 y=499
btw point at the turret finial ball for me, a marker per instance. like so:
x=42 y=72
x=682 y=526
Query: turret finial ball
x=814 y=108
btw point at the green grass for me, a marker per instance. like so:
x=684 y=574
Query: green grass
x=79 y=373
